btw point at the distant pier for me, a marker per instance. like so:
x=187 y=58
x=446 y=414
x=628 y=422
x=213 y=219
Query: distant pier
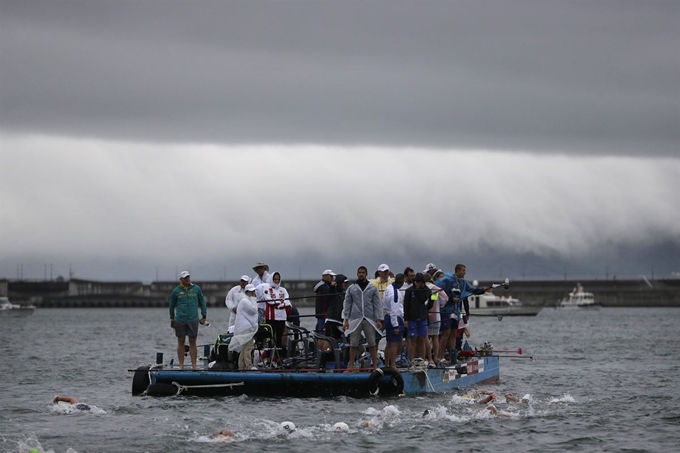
x=77 y=293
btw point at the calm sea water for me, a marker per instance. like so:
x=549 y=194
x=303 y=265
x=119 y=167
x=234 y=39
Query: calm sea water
x=603 y=380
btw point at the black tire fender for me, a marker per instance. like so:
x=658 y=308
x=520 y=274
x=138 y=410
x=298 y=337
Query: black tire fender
x=140 y=380
x=161 y=390
x=395 y=387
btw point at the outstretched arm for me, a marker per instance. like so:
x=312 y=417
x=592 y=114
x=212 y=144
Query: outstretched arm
x=65 y=399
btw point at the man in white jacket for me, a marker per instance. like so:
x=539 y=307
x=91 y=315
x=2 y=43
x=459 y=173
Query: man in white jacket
x=362 y=311
x=245 y=328
x=233 y=298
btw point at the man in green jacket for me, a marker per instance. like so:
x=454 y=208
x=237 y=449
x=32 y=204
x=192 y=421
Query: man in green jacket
x=185 y=301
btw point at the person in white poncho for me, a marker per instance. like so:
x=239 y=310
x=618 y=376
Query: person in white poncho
x=362 y=311
x=245 y=328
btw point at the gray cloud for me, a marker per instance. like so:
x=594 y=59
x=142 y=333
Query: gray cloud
x=559 y=77
x=119 y=210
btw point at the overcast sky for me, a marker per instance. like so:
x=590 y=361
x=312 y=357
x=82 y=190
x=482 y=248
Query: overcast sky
x=524 y=138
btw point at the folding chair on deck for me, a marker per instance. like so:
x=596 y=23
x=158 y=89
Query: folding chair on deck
x=265 y=345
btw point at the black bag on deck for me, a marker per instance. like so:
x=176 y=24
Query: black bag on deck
x=224 y=358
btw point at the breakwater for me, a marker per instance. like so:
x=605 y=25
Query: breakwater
x=88 y=293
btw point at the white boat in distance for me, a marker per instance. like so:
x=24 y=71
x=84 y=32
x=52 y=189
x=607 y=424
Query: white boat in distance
x=10 y=310
x=489 y=304
x=578 y=298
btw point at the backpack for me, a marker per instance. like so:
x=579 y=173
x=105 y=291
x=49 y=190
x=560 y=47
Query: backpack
x=224 y=358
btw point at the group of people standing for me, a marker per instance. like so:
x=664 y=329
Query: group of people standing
x=254 y=301
x=424 y=312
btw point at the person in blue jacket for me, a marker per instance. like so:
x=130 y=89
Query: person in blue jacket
x=458 y=289
x=185 y=301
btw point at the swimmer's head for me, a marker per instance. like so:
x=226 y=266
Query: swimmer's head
x=288 y=427
x=365 y=424
x=426 y=412
x=526 y=399
x=340 y=426
x=225 y=432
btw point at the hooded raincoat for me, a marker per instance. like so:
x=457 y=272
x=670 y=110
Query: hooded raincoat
x=245 y=326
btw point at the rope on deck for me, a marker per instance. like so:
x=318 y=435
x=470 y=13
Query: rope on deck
x=181 y=388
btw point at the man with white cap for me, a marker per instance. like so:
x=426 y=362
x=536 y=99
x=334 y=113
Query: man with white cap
x=323 y=290
x=233 y=297
x=262 y=274
x=185 y=301
x=245 y=328
x=430 y=269
x=383 y=281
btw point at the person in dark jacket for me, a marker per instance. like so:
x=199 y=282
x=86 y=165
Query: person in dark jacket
x=334 y=312
x=417 y=303
x=323 y=291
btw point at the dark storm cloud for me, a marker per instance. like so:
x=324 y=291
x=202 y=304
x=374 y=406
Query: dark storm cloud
x=571 y=77
x=117 y=210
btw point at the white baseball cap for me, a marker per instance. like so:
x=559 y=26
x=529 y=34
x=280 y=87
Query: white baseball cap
x=383 y=268
x=249 y=287
x=184 y=274
x=328 y=272
x=430 y=267
x=245 y=278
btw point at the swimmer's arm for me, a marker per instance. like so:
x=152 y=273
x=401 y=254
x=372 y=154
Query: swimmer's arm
x=65 y=399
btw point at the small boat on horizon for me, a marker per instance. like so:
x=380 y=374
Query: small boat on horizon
x=489 y=304
x=578 y=298
x=10 y=310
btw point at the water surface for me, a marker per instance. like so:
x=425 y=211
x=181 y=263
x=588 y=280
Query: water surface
x=604 y=380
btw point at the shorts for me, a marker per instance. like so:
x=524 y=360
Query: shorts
x=333 y=330
x=186 y=329
x=369 y=333
x=433 y=328
x=417 y=328
x=389 y=330
x=445 y=324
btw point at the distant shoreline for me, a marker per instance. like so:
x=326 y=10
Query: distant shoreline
x=88 y=293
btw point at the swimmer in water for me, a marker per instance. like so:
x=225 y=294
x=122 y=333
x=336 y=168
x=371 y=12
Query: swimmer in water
x=490 y=396
x=71 y=400
x=288 y=427
x=510 y=398
x=225 y=432
x=341 y=426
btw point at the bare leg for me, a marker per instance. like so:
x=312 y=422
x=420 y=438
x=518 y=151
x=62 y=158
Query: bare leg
x=180 y=352
x=435 y=347
x=373 y=350
x=422 y=348
x=411 y=348
x=193 y=352
x=452 y=344
x=443 y=339
x=352 y=356
x=391 y=355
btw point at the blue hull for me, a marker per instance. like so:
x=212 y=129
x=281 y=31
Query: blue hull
x=314 y=383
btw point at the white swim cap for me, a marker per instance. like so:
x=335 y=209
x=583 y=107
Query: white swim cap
x=341 y=426
x=526 y=398
x=288 y=427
